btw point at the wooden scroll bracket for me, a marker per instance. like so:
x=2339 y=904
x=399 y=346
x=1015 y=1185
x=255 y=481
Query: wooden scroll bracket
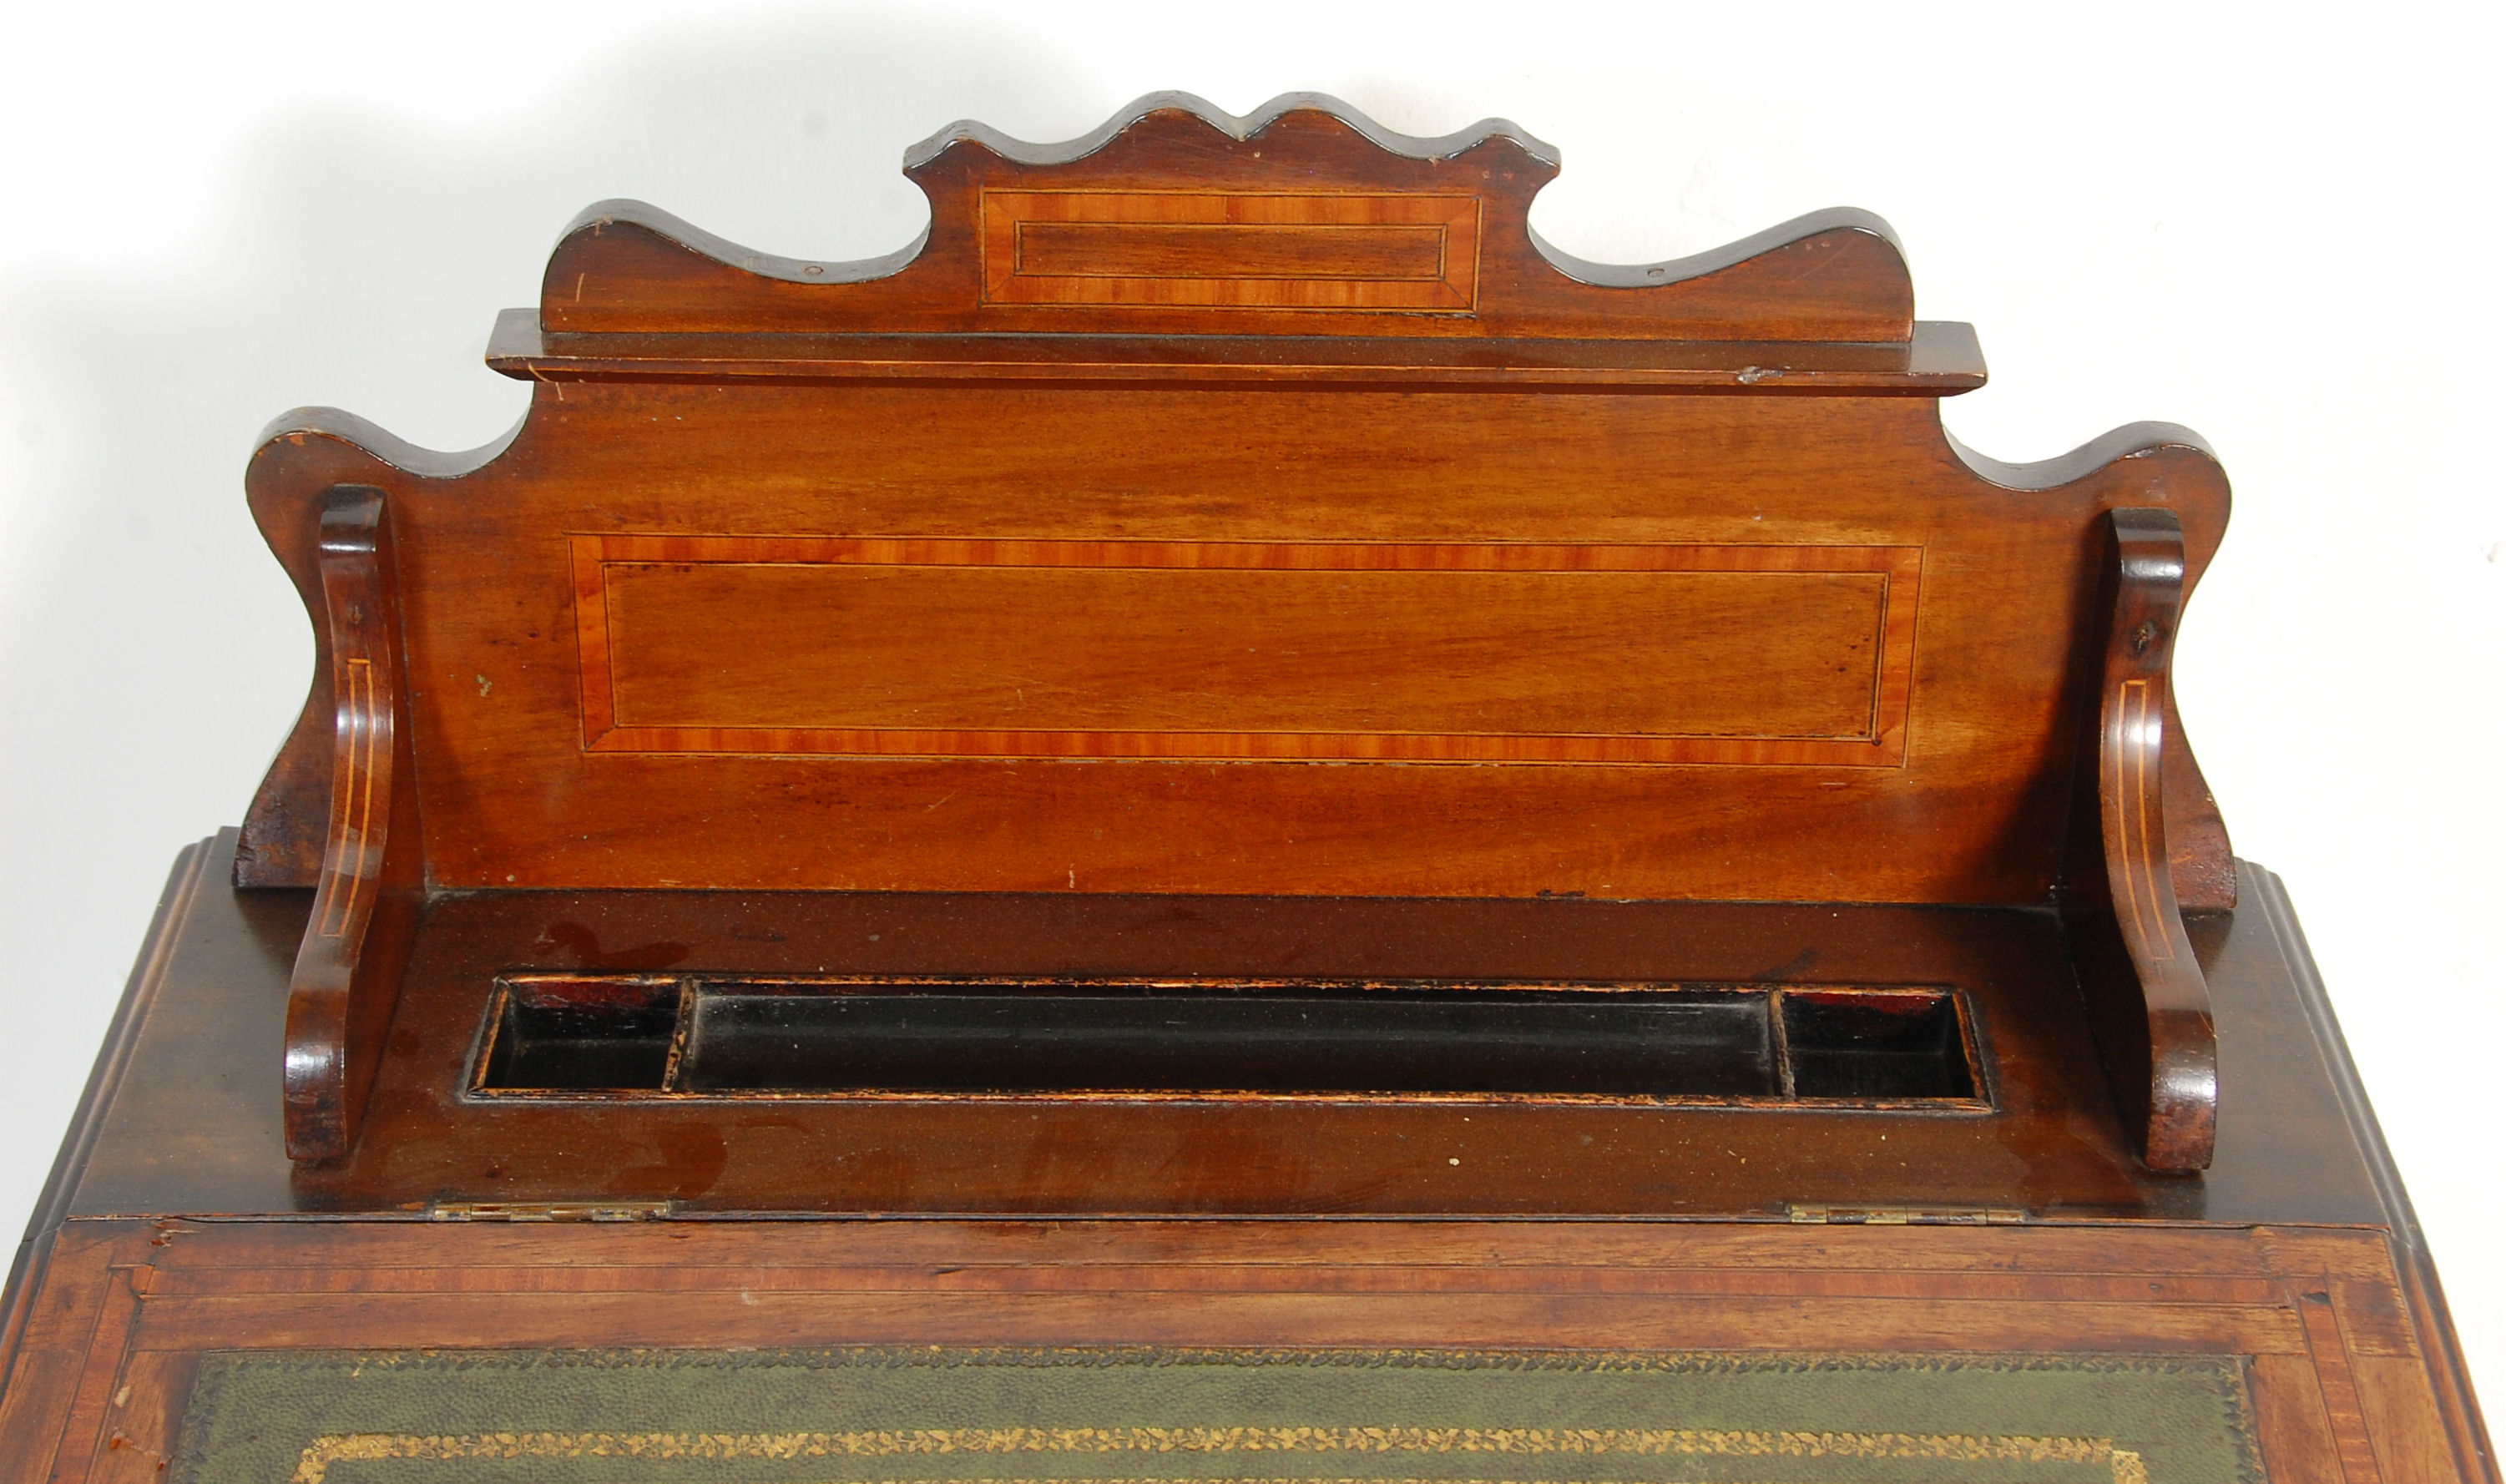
x=347 y=972
x=2148 y=1001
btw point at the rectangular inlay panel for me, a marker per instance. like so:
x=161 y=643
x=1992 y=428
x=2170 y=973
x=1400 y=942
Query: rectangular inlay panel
x=1194 y=250
x=1246 y=651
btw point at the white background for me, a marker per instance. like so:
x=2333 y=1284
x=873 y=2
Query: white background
x=2276 y=225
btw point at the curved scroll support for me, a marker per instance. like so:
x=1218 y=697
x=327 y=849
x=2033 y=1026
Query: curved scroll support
x=347 y=970
x=2161 y=457
x=303 y=457
x=2147 y=997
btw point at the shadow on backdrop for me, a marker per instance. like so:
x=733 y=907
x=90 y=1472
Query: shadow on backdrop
x=355 y=256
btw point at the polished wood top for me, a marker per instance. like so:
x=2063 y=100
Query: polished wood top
x=196 y=1123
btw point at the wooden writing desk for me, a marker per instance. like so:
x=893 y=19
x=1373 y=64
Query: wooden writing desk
x=1231 y=755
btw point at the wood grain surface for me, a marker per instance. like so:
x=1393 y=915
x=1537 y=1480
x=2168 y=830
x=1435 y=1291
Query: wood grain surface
x=194 y=1127
x=1975 y=811
x=2338 y=1375
x=2147 y=997
x=1114 y=425
x=347 y=972
x=1394 y=252
x=1486 y=652
x=1312 y=221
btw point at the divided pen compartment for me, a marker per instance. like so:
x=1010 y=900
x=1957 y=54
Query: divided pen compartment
x=697 y=1035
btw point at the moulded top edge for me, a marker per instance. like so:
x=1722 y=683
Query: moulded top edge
x=1174 y=218
x=1943 y=359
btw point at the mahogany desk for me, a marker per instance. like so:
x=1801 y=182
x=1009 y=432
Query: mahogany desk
x=1229 y=764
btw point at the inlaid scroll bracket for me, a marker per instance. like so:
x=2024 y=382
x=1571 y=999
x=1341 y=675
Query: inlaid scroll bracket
x=2148 y=1001
x=347 y=970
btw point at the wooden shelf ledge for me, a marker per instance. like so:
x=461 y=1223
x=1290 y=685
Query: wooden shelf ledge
x=1942 y=360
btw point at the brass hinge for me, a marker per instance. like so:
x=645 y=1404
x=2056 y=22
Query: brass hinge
x=1906 y=1216
x=548 y=1211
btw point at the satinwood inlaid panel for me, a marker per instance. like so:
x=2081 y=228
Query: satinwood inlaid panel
x=1224 y=640
x=1241 y=250
x=1425 y=652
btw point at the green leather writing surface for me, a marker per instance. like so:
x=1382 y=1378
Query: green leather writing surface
x=1132 y=1416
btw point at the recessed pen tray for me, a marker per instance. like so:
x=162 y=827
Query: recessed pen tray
x=581 y=1035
